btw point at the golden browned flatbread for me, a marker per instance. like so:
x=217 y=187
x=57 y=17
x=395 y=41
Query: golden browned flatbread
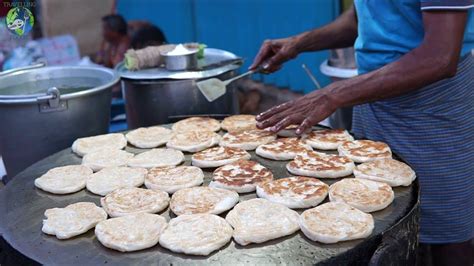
x=238 y=123
x=241 y=176
x=361 y=151
x=320 y=165
x=247 y=140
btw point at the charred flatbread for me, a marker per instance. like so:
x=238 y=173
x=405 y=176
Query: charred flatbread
x=320 y=165
x=361 y=151
x=365 y=195
x=219 y=156
x=247 y=140
x=193 y=141
x=294 y=192
x=241 y=176
x=283 y=149
x=328 y=139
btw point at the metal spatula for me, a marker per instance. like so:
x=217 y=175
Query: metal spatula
x=214 y=88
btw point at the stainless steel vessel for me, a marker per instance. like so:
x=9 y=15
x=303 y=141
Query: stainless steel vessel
x=44 y=110
x=158 y=96
x=152 y=102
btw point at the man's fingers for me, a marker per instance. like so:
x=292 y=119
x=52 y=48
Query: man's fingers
x=279 y=108
x=271 y=121
x=289 y=120
x=263 y=53
x=305 y=126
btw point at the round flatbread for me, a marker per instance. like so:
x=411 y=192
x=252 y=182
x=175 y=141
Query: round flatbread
x=149 y=137
x=241 y=176
x=203 y=200
x=110 y=179
x=320 y=165
x=247 y=140
x=365 y=195
x=283 y=149
x=171 y=179
x=288 y=132
x=219 y=156
x=86 y=145
x=388 y=171
x=64 y=179
x=132 y=232
x=196 y=124
x=196 y=234
x=106 y=158
x=361 y=151
x=333 y=222
x=294 y=192
x=126 y=201
x=328 y=139
x=73 y=220
x=193 y=141
x=157 y=158
x=260 y=220
x=238 y=123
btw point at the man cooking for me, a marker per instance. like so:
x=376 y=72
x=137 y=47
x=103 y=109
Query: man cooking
x=415 y=91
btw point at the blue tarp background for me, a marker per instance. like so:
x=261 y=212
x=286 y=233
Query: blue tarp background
x=240 y=26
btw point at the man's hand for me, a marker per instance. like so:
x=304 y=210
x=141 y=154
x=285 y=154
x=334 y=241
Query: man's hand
x=305 y=111
x=273 y=53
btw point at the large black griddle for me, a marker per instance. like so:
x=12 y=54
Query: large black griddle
x=22 y=206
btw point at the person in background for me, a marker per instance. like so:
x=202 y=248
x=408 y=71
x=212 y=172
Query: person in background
x=148 y=35
x=115 y=41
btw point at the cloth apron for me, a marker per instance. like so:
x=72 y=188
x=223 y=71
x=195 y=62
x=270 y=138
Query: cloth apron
x=433 y=130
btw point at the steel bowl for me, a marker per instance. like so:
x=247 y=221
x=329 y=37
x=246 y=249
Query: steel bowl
x=181 y=62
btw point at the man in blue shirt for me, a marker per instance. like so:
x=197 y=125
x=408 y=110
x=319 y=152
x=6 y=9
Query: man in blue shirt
x=415 y=92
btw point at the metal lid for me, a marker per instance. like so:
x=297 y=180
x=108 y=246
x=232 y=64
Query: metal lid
x=34 y=85
x=214 y=63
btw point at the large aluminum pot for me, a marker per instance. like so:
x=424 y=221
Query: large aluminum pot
x=44 y=110
x=153 y=102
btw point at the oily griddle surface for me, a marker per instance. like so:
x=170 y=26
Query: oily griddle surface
x=22 y=206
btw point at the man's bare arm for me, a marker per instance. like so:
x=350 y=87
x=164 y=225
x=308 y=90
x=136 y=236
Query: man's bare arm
x=340 y=33
x=435 y=59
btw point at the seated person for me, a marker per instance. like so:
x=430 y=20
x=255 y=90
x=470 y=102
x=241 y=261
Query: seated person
x=148 y=35
x=115 y=41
